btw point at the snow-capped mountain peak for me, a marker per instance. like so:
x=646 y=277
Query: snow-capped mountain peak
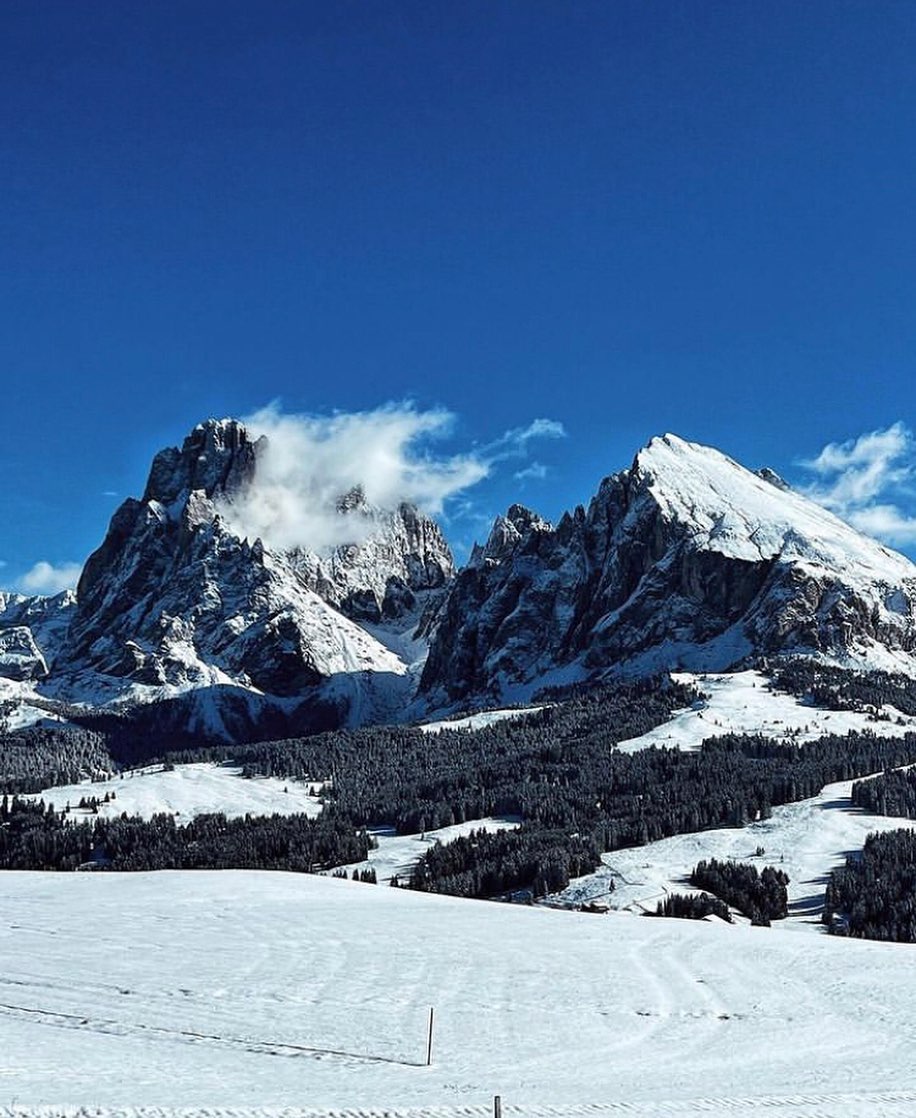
x=744 y=516
x=686 y=559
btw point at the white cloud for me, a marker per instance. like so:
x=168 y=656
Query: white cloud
x=45 y=578
x=514 y=443
x=535 y=472
x=309 y=462
x=865 y=479
x=886 y=522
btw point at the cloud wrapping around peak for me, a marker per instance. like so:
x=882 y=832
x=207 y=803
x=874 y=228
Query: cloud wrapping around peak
x=864 y=480
x=309 y=462
x=45 y=578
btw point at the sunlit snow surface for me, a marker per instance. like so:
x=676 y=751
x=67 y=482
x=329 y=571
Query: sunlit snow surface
x=234 y=994
x=743 y=703
x=203 y=991
x=188 y=790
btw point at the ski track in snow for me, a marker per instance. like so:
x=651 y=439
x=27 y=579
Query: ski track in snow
x=223 y=994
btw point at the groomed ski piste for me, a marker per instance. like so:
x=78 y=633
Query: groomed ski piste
x=223 y=993
x=235 y=994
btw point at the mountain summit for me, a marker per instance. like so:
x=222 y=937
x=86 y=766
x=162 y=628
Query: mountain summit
x=175 y=602
x=686 y=559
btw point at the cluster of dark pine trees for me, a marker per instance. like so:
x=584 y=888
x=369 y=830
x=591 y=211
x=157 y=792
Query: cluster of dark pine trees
x=692 y=906
x=35 y=837
x=874 y=895
x=761 y=897
x=39 y=757
x=556 y=771
x=838 y=689
x=891 y=793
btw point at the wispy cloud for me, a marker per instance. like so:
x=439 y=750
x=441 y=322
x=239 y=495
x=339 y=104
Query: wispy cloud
x=309 y=462
x=514 y=443
x=46 y=578
x=535 y=472
x=865 y=480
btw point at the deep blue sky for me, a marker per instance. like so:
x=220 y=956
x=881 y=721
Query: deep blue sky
x=628 y=217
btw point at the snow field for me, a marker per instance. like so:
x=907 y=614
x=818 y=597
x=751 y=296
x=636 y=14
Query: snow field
x=743 y=703
x=186 y=791
x=216 y=992
x=806 y=839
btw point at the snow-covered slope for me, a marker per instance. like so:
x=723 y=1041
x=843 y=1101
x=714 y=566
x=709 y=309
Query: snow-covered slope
x=686 y=560
x=742 y=515
x=745 y=703
x=221 y=993
x=186 y=791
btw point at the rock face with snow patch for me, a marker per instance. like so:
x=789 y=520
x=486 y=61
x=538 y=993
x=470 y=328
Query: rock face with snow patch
x=32 y=630
x=685 y=559
x=173 y=600
x=399 y=557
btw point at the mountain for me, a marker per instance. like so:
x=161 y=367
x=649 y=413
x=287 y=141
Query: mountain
x=174 y=604
x=686 y=559
x=32 y=630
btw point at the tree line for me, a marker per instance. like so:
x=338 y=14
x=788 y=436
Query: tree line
x=760 y=896
x=891 y=793
x=833 y=688
x=35 y=837
x=692 y=906
x=873 y=896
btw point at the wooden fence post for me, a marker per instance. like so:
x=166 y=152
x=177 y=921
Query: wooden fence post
x=429 y=1043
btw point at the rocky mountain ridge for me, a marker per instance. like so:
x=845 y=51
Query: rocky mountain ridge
x=683 y=560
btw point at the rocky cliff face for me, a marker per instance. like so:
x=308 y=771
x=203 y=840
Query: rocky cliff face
x=684 y=560
x=32 y=631
x=398 y=557
x=172 y=600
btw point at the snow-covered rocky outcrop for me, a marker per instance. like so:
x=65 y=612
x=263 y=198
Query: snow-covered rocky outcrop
x=174 y=601
x=32 y=630
x=687 y=560
x=399 y=557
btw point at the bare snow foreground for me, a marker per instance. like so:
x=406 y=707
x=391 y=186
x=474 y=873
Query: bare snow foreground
x=234 y=994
